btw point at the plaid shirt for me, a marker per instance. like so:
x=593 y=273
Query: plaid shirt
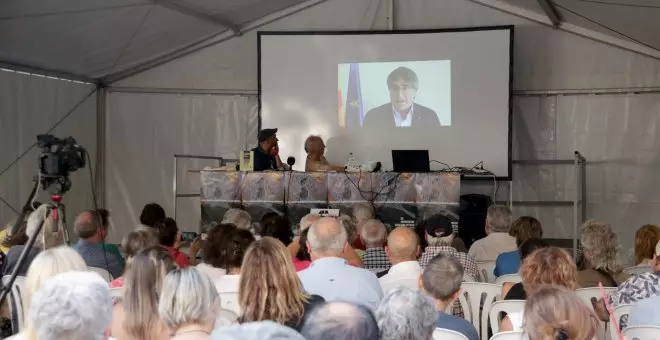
x=376 y=260
x=470 y=270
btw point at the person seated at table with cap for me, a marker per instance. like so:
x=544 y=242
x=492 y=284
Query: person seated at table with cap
x=316 y=161
x=266 y=153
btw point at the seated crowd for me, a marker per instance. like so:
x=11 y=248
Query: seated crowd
x=323 y=279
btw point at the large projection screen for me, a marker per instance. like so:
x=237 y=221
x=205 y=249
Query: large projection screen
x=368 y=93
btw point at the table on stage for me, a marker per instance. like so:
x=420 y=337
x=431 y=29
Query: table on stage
x=399 y=198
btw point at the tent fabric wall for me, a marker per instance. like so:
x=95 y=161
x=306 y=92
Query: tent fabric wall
x=607 y=129
x=31 y=105
x=145 y=130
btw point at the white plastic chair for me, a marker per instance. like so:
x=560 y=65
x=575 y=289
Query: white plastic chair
x=635 y=270
x=506 y=306
x=642 y=333
x=116 y=293
x=471 y=302
x=585 y=294
x=515 y=278
x=508 y=336
x=104 y=273
x=486 y=269
x=229 y=301
x=225 y=318
x=618 y=312
x=16 y=299
x=446 y=334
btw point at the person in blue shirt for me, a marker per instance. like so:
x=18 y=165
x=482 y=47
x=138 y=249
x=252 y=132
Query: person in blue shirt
x=441 y=280
x=523 y=229
x=91 y=233
x=265 y=155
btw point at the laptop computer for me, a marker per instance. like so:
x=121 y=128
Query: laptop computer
x=411 y=160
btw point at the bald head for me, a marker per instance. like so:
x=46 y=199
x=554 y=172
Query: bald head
x=402 y=245
x=87 y=224
x=326 y=237
x=373 y=233
x=340 y=320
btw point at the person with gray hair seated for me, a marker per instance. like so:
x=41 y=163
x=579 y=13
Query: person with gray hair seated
x=263 y=330
x=361 y=213
x=442 y=280
x=330 y=275
x=91 y=236
x=440 y=236
x=406 y=314
x=72 y=306
x=498 y=241
x=374 y=235
x=238 y=217
x=188 y=304
x=340 y=321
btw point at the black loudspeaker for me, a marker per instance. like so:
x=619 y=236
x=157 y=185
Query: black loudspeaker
x=472 y=217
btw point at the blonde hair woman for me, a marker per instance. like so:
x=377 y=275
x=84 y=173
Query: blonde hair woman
x=47 y=264
x=135 y=316
x=556 y=313
x=269 y=288
x=132 y=244
x=188 y=304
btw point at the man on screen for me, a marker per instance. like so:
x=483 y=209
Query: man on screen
x=401 y=111
x=266 y=153
x=315 y=149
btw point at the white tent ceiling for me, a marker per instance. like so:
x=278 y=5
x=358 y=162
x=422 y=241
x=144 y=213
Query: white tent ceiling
x=97 y=39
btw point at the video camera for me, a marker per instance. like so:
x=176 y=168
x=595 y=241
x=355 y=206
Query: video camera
x=59 y=157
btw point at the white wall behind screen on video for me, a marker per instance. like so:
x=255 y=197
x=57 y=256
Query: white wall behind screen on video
x=434 y=84
x=299 y=94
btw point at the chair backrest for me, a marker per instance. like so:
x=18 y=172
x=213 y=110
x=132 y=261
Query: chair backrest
x=637 y=270
x=486 y=269
x=585 y=294
x=508 y=336
x=225 y=318
x=515 y=278
x=16 y=300
x=116 y=292
x=446 y=334
x=506 y=306
x=475 y=307
x=229 y=301
x=104 y=273
x=642 y=333
x=618 y=312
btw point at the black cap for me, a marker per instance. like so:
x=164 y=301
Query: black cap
x=438 y=226
x=265 y=134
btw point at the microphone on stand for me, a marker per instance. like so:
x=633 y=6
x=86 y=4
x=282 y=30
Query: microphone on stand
x=291 y=161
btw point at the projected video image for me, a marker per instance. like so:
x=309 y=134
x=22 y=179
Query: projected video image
x=394 y=94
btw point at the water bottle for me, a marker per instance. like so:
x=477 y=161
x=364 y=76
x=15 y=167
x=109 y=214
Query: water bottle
x=352 y=163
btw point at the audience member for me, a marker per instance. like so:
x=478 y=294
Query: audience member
x=374 y=236
x=73 y=306
x=231 y=250
x=407 y=314
x=645 y=312
x=646 y=237
x=266 y=218
x=302 y=260
x=330 y=276
x=361 y=212
x=132 y=243
x=45 y=239
x=601 y=253
x=544 y=266
x=279 y=228
x=634 y=289
x=104 y=215
x=91 y=238
x=46 y=265
x=135 y=315
x=498 y=241
x=152 y=213
x=441 y=280
x=170 y=239
x=214 y=252
x=238 y=217
x=402 y=249
x=352 y=233
x=188 y=304
x=523 y=229
x=554 y=312
x=264 y=330
x=7 y=239
x=440 y=235
x=340 y=321
x=269 y=288
x=516 y=290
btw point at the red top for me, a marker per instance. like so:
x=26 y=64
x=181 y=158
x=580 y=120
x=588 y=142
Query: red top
x=117 y=283
x=300 y=265
x=181 y=259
